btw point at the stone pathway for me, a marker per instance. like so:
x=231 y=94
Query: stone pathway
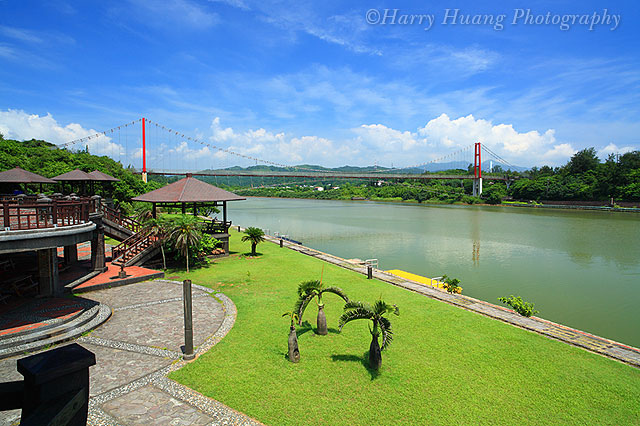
x=136 y=349
x=600 y=345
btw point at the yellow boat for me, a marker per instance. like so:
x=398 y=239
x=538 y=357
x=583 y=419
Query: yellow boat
x=420 y=279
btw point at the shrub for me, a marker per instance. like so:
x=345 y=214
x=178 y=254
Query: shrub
x=525 y=309
x=207 y=244
x=451 y=284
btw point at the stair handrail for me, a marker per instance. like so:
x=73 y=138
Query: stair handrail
x=115 y=216
x=130 y=244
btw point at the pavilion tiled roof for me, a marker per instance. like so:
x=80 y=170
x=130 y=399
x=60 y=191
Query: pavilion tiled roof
x=18 y=175
x=188 y=190
x=75 y=175
x=102 y=177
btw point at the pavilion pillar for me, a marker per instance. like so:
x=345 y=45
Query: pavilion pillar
x=153 y=210
x=71 y=254
x=195 y=209
x=97 y=245
x=48 y=272
x=224 y=212
x=184 y=208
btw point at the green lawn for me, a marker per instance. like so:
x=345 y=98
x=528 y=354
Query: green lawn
x=445 y=366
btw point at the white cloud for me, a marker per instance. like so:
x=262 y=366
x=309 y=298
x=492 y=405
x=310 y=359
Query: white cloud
x=559 y=154
x=386 y=139
x=20 y=34
x=278 y=147
x=17 y=124
x=526 y=148
x=367 y=144
x=443 y=62
x=168 y=13
x=240 y=4
x=612 y=148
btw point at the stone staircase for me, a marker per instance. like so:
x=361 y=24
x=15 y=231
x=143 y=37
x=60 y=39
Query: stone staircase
x=43 y=322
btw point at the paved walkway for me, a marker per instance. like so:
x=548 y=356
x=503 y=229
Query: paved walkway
x=600 y=345
x=136 y=349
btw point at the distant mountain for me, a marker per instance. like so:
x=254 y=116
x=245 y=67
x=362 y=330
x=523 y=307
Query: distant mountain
x=462 y=165
x=434 y=167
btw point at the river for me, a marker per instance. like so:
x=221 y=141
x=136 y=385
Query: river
x=580 y=268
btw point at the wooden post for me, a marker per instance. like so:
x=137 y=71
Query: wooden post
x=5 y=214
x=188 y=320
x=369 y=272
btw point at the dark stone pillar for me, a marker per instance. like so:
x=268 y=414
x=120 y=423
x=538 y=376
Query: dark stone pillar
x=48 y=273
x=97 y=245
x=70 y=254
x=56 y=385
x=184 y=208
x=153 y=210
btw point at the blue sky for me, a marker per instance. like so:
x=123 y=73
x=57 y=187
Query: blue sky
x=314 y=82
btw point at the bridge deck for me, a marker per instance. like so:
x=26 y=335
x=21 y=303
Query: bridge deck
x=331 y=175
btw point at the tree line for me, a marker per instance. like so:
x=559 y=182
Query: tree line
x=47 y=160
x=583 y=178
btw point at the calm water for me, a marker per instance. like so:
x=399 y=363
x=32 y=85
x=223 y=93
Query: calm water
x=581 y=269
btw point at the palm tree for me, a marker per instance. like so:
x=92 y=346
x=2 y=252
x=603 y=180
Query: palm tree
x=307 y=290
x=294 y=352
x=157 y=228
x=381 y=325
x=255 y=235
x=185 y=234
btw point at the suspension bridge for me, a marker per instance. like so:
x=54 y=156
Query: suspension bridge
x=161 y=150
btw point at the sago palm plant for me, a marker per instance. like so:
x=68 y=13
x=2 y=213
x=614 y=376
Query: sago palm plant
x=307 y=291
x=255 y=235
x=381 y=325
x=185 y=235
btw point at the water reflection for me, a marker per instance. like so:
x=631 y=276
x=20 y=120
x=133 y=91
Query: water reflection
x=475 y=238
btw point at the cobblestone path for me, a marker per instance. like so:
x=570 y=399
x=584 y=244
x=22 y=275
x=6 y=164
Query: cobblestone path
x=136 y=349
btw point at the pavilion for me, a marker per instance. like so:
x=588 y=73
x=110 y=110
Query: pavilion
x=189 y=191
x=18 y=175
x=76 y=175
x=196 y=194
x=97 y=175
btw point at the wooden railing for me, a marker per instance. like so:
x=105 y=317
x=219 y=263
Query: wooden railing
x=40 y=215
x=115 y=216
x=215 y=226
x=132 y=246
